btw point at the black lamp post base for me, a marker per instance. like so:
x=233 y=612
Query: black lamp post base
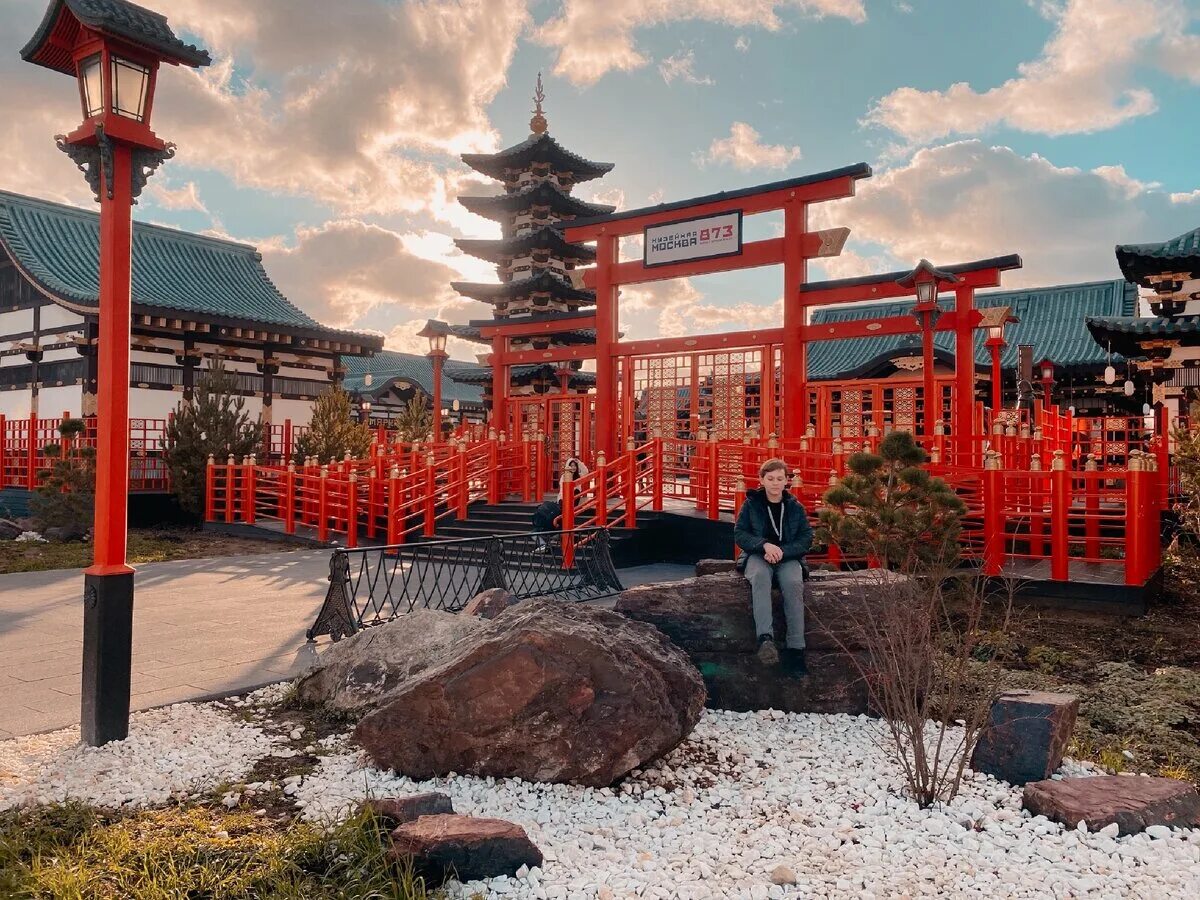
x=107 y=657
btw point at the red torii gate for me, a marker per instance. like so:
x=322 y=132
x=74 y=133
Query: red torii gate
x=792 y=250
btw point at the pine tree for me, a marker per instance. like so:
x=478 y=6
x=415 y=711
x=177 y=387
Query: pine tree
x=889 y=508
x=332 y=432
x=213 y=422
x=65 y=497
x=415 y=421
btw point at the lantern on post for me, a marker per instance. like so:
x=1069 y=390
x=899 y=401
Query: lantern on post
x=994 y=319
x=435 y=332
x=925 y=281
x=1046 y=371
x=113 y=49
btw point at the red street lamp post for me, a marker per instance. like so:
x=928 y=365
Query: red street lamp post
x=114 y=49
x=926 y=280
x=438 y=356
x=1046 y=369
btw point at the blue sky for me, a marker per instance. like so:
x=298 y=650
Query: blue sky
x=328 y=134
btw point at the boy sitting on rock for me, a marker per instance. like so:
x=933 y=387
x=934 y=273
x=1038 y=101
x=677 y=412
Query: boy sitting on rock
x=773 y=534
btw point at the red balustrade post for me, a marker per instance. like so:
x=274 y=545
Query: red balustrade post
x=1037 y=506
x=210 y=486
x=630 y=485
x=700 y=470
x=352 y=510
x=230 y=489
x=993 y=514
x=601 y=518
x=323 y=505
x=249 y=489
x=834 y=552
x=1091 y=511
x=542 y=460
x=3 y=447
x=714 y=477
x=568 y=519
x=493 y=470
x=1060 y=518
x=372 y=482
x=657 y=487
x=1163 y=455
x=395 y=529
x=287 y=439
x=460 y=468
x=31 y=456
x=1136 y=520
x=739 y=497
x=527 y=472
x=430 y=484
x=289 y=499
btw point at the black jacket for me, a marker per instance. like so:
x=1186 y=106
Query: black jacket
x=751 y=528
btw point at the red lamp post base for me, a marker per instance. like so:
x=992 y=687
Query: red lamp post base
x=107 y=657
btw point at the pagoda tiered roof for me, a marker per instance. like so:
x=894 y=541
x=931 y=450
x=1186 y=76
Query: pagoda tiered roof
x=545 y=193
x=1126 y=334
x=543 y=283
x=1180 y=254
x=537 y=148
x=545 y=238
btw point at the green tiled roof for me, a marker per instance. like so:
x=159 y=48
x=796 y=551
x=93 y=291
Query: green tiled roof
x=1052 y=319
x=1140 y=260
x=173 y=271
x=389 y=364
x=1123 y=333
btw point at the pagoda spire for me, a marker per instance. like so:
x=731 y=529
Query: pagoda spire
x=538 y=124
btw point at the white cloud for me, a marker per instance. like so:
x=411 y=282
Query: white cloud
x=743 y=150
x=1180 y=56
x=967 y=200
x=186 y=196
x=594 y=37
x=742 y=44
x=682 y=65
x=1082 y=82
x=344 y=269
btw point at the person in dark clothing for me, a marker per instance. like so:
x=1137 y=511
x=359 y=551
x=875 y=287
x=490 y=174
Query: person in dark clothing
x=773 y=535
x=549 y=510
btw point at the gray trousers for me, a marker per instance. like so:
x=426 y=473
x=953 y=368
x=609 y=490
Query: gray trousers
x=790 y=575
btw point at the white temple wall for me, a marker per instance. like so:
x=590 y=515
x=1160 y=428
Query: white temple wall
x=54 y=401
x=60 y=354
x=18 y=321
x=55 y=316
x=147 y=403
x=14 y=404
x=299 y=411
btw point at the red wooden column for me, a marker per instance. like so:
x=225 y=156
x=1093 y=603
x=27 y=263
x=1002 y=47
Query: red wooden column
x=795 y=341
x=607 y=316
x=499 y=385
x=964 y=377
x=766 y=393
x=931 y=406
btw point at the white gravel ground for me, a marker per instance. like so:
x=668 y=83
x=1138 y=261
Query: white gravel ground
x=746 y=794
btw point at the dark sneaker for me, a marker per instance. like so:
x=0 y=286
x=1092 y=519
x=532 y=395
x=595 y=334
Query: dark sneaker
x=768 y=653
x=793 y=661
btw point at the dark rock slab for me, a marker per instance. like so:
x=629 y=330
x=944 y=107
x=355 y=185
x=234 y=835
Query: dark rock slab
x=489 y=603
x=715 y=567
x=464 y=847
x=739 y=682
x=1026 y=736
x=549 y=691
x=398 y=810
x=1133 y=802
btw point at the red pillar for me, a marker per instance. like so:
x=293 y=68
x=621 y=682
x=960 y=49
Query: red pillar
x=995 y=347
x=499 y=387
x=795 y=341
x=963 y=428
x=607 y=316
x=932 y=405
x=438 y=360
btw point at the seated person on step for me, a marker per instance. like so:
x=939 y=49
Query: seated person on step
x=549 y=510
x=773 y=534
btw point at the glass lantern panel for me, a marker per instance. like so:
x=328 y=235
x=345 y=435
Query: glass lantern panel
x=93 y=90
x=129 y=89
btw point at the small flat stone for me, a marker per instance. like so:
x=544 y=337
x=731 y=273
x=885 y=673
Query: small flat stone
x=398 y=810
x=783 y=875
x=465 y=847
x=1132 y=803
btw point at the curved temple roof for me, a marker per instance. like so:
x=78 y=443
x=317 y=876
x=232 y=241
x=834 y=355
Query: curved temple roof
x=390 y=365
x=534 y=149
x=545 y=238
x=543 y=282
x=1138 y=261
x=544 y=193
x=58 y=248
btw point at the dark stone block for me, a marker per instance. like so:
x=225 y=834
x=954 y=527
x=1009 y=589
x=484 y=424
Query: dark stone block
x=715 y=567
x=738 y=681
x=464 y=847
x=1026 y=736
x=1133 y=802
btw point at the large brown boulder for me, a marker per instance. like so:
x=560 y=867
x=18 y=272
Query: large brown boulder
x=1133 y=802
x=464 y=847
x=548 y=691
x=356 y=674
x=709 y=617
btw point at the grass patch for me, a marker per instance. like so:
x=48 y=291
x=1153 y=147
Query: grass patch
x=74 y=852
x=152 y=545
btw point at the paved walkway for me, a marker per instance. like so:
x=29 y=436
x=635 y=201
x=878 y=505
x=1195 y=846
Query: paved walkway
x=201 y=627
